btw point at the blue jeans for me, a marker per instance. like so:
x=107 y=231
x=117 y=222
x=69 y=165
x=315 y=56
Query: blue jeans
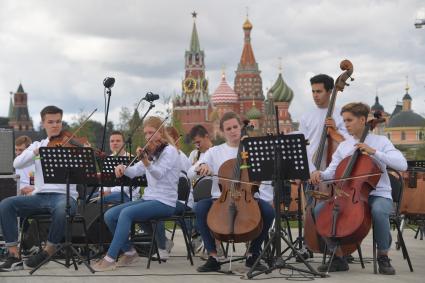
x=23 y=206
x=160 y=227
x=112 y=198
x=202 y=209
x=115 y=197
x=381 y=208
x=120 y=218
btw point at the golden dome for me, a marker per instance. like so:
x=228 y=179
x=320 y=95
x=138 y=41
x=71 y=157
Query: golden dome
x=247 y=24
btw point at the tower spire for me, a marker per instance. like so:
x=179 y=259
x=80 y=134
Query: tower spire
x=194 y=40
x=407 y=84
x=10 y=115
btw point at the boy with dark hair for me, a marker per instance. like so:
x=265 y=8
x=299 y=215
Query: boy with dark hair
x=46 y=198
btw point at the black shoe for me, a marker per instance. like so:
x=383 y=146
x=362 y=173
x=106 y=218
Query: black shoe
x=210 y=266
x=35 y=260
x=337 y=264
x=11 y=264
x=349 y=258
x=250 y=260
x=385 y=265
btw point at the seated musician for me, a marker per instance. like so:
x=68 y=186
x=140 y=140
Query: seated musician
x=230 y=125
x=26 y=174
x=113 y=195
x=46 y=198
x=180 y=205
x=385 y=155
x=159 y=198
x=202 y=142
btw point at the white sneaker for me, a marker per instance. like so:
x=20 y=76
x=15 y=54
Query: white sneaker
x=169 y=245
x=164 y=254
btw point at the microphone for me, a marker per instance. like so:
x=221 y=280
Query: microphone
x=150 y=97
x=108 y=82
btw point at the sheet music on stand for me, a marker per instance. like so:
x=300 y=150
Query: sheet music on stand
x=78 y=162
x=278 y=158
x=261 y=152
x=416 y=165
x=108 y=173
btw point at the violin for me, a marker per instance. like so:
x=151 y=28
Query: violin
x=346 y=216
x=331 y=138
x=67 y=139
x=236 y=215
x=153 y=151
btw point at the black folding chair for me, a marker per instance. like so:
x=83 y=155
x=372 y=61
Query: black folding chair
x=397 y=186
x=183 y=195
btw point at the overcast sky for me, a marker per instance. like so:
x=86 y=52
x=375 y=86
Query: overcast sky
x=62 y=50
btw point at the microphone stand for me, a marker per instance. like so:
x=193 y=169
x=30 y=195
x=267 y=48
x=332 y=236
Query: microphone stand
x=107 y=91
x=139 y=123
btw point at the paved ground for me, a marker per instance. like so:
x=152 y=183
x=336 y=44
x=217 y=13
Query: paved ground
x=179 y=269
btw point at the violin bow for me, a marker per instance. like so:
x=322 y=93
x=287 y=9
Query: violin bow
x=328 y=181
x=80 y=127
x=147 y=142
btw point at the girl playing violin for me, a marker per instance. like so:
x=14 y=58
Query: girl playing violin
x=160 y=163
x=210 y=162
x=385 y=155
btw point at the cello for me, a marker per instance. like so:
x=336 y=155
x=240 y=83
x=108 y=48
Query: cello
x=330 y=138
x=346 y=216
x=236 y=215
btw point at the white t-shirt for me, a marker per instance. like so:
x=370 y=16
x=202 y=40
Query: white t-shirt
x=24 y=175
x=386 y=155
x=28 y=158
x=214 y=158
x=312 y=124
x=265 y=191
x=193 y=156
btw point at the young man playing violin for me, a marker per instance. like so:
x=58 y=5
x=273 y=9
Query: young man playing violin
x=46 y=198
x=209 y=164
x=161 y=165
x=384 y=154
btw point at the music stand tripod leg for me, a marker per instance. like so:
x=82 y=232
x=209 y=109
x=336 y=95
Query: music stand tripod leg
x=70 y=251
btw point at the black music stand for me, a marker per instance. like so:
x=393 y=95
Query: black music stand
x=278 y=158
x=109 y=179
x=66 y=165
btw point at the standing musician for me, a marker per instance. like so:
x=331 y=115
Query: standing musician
x=159 y=198
x=230 y=125
x=385 y=155
x=311 y=123
x=46 y=198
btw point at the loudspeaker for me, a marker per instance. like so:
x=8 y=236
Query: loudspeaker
x=7 y=150
x=90 y=212
x=8 y=186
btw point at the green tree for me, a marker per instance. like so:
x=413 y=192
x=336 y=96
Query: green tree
x=185 y=143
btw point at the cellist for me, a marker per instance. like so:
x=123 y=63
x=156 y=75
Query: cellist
x=385 y=155
x=209 y=164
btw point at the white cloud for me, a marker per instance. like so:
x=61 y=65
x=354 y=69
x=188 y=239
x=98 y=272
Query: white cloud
x=62 y=50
